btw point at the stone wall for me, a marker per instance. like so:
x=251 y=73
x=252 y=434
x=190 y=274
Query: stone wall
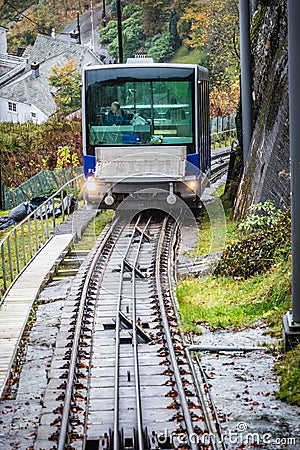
x=266 y=174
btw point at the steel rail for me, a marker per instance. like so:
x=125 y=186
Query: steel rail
x=215 y=413
x=164 y=319
x=73 y=359
x=216 y=442
x=116 y=437
x=135 y=347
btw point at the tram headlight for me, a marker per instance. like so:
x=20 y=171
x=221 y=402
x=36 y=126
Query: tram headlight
x=192 y=185
x=91 y=185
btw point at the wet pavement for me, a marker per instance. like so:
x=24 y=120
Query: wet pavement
x=243 y=387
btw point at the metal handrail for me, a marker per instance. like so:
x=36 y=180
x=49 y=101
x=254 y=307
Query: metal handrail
x=19 y=246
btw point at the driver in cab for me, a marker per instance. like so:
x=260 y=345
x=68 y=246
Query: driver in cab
x=116 y=115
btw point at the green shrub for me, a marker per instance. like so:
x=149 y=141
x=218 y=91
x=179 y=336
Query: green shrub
x=257 y=252
x=261 y=216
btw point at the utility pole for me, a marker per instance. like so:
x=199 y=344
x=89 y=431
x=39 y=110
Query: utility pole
x=78 y=28
x=75 y=34
x=92 y=23
x=104 y=14
x=291 y=320
x=120 y=37
x=244 y=13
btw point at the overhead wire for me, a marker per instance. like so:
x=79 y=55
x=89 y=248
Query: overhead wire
x=41 y=28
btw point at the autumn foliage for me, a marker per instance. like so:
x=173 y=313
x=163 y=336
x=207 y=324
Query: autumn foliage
x=66 y=81
x=25 y=149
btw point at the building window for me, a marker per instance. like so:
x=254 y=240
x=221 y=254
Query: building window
x=33 y=115
x=12 y=106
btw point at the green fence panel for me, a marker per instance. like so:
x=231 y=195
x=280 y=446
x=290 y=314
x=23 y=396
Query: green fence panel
x=43 y=183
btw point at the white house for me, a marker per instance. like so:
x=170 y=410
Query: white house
x=28 y=96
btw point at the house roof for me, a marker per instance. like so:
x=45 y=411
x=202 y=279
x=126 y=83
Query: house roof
x=56 y=51
x=31 y=91
x=47 y=52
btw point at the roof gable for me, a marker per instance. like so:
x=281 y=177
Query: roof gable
x=48 y=52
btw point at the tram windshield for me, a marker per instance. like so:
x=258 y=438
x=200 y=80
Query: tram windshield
x=122 y=109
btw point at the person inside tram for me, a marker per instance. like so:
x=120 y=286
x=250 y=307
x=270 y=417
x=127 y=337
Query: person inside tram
x=116 y=115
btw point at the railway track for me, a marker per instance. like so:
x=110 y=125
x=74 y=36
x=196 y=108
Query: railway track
x=219 y=163
x=122 y=376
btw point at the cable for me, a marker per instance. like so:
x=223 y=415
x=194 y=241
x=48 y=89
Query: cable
x=40 y=27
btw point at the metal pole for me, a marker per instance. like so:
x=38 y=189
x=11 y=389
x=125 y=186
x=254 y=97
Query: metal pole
x=120 y=38
x=104 y=14
x=291 y=320
x=1 y=191
x=294 y=68
x=245 y=75
x=92 y=22
x=78 y=28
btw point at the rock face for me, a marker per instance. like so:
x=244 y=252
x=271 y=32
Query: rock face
x=266 y=174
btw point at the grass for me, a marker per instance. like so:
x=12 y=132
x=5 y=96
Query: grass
x=206 y=226
x=21 y=244
x=289 y=371
x=3 y=232
x=93 y=230
x=220 y=302
x=185 y=56
x=33 y=235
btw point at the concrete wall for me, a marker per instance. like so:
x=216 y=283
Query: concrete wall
x=266 y=174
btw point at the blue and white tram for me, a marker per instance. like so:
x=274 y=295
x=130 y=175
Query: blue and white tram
x=145 y=125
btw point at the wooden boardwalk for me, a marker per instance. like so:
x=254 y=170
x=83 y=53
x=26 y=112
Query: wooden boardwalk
x=16 y=307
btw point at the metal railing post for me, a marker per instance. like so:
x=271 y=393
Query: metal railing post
x=23 y=244
x=3 y=268
x=17 y=250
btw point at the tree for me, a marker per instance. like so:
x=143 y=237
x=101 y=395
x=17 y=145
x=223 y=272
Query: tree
x=213 y=27
x=37 y=18
x=66 y=81
x=155 y=16
x=222 y=42
x=133 y=34
x=174 y=35
x=193 y=24
x=27 y=148
x=160 y=47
